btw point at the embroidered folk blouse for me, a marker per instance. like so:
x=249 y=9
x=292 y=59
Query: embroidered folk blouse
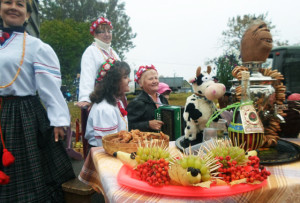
x=104 y=119
x=40 y=73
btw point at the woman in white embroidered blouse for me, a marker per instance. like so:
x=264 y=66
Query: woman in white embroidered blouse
x=96 y=54
x=92 y=59
x=108 y=115
x=33 y=161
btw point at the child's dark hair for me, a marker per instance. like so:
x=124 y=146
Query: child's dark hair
x=109 y=87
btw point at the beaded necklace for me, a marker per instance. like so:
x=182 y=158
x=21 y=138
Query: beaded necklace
x=105 y=54
x=21 y=63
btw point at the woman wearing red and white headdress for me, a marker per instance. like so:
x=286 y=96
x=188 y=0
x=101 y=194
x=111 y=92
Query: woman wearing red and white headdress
x=93 y=57
x=141 y=110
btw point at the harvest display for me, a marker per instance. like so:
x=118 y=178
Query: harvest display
x=129 y=141
x=220 y=163
x=267 y=88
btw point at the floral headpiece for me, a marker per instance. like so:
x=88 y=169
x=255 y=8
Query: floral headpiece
x=106 y=66
x=141 y=70
x=97 y=22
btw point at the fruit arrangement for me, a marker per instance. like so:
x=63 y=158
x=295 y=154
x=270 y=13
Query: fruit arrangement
x=154 y=172
x=192 y=169
x=219 y=163
x=146 y=153
x=235 y=166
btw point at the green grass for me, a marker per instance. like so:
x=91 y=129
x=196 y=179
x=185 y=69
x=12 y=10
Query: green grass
x=176 y=99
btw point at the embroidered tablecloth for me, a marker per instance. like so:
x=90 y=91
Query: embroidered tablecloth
x=100 y=170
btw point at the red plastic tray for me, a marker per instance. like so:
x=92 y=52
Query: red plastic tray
x=126 y=178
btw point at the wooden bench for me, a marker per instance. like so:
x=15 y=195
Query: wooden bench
x=76 y=191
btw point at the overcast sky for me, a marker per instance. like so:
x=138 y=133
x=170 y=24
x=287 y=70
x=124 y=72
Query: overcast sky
x=177 y=36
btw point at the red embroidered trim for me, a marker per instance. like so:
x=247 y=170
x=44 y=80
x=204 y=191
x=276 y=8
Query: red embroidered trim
x=105 y=129
x=122 y=110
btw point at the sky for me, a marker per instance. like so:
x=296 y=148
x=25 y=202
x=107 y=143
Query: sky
x=177 y=36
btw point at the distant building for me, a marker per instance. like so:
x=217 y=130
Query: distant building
x=175 y=83
x=186 y=87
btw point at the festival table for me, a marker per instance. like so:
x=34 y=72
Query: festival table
x=100 y=170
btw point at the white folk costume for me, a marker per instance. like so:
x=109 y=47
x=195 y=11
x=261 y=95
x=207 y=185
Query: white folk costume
x=104 y=119
x=41 y=164
x=92 y=59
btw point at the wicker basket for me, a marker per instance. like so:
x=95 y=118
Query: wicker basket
x=111 y=147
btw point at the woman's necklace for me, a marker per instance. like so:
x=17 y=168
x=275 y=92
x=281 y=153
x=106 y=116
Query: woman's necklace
x=105 y=54
x=21 y=63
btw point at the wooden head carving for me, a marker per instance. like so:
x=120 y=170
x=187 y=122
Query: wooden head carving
x=256 y=42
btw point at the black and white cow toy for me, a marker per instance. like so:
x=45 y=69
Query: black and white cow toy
x=200 y=106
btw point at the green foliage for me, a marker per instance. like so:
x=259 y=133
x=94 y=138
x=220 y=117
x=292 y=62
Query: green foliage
x=78 y=10
x=225 y=64
x=75 y=113
x=69 y=39
x=122 y=33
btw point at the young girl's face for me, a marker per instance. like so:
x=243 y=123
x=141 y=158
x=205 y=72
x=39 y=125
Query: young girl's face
x=124 y=84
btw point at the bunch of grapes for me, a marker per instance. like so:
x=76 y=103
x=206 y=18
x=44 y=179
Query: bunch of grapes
x=235 y=153
x=144 y=154
x=252 y=171
x=154 y=172
x=193 y=162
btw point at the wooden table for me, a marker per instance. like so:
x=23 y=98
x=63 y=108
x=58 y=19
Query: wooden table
x=100 y=171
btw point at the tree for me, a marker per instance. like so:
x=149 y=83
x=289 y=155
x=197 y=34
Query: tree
x=90 y=10
x=122 y=30
x=238 y=25
x=225 y=65
x=78 y=10
x=69 y=39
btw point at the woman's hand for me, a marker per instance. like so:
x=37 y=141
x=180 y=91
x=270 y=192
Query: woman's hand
x=59 y=131
x=155 y=124
x=83 y=104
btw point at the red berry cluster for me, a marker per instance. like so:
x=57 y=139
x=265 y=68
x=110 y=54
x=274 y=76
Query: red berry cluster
x=252 y=171
x=155 y=172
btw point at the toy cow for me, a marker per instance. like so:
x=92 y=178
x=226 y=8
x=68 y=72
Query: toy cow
x=200 y=106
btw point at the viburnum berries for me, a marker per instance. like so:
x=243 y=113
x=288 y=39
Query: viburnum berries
x=253 y=171
x=154 y=172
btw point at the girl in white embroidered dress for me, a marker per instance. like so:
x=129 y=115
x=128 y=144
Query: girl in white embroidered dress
x=108 y=115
